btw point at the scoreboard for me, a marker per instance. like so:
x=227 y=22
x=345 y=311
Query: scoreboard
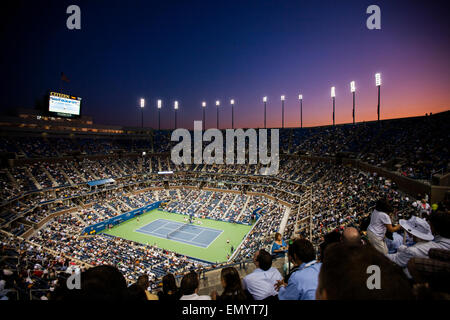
x=64 y=105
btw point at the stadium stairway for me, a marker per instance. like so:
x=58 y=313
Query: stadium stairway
x=212 y=281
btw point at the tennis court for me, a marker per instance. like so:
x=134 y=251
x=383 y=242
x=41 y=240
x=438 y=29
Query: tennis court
x=211 y=241
x=181 y=232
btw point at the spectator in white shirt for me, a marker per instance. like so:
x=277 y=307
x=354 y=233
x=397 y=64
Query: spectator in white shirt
x=260 y=283
x=379 y=223
x=189 y=287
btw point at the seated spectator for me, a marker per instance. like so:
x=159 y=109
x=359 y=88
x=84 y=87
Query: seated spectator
x=422 y=235
x=170 y=290
x=351 y=236
x=343 y=275
x=232 y=287
x=101 y=283
x=433 y=274
x=329 y=238
x=393 y=241
x=135 y=292
x=421 y=232
x=379 y=223
x=279 y=246
x=303 y=280
x=260 y=283
x=144 y=282
x=189 y=287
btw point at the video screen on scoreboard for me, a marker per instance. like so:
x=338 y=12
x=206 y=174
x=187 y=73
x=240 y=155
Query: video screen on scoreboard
x=64 y=104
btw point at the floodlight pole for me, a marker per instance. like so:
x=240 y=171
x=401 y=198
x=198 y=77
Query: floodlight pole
x=175 y=118
x=142 y=117
x=333 y=110
x=354 y=107
x=204 y=124
x=378 y=108
x=159 y=119
x=265 y=113
x=232 y=115
x=282 y=113
x=301 y=113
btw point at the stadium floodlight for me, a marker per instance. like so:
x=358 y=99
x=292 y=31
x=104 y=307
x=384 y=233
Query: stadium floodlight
x=378 y=79
x=175 y=105
x=144 y=153
x=282 y=111
x=142 y=104
x=204 y=107
x=159 y=104
x=378 y=84
x=282 y=98
x=300 y=98
x=333 y=96
x=232 y=113
x=352 y=86
x=217 y=104
x=265 y=106
x=353 y=91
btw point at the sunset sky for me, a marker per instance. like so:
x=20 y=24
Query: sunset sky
x=192 y=51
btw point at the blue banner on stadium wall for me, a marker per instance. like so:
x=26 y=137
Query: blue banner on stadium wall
x=95 y=228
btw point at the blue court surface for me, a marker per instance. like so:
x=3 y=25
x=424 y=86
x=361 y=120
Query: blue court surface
x=181 y=232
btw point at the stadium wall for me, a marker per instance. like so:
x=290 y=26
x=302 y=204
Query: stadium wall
x=95 y=228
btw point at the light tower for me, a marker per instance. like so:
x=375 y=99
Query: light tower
x=353 y=91
x=378 y=84
x=217 y=105
x=232 y=113
x=142 y=111
x=175 y=106
x=265 y=106
x=159 y=105
x=300 y=97
x=333 y=96
x=204 y=107
x=282 y=111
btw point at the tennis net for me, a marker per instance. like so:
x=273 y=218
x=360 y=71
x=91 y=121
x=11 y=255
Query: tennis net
x=171 y=233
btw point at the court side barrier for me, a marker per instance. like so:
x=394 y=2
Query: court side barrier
x=95 y=228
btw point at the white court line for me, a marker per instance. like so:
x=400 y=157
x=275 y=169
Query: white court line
x=166 y=222
x=195 y=243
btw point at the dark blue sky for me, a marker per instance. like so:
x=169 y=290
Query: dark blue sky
x=207 y=50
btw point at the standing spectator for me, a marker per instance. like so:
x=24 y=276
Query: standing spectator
x=379 y=223
x=279 y=246
x=189 y=287
x=302 y=282
x=260 y=283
